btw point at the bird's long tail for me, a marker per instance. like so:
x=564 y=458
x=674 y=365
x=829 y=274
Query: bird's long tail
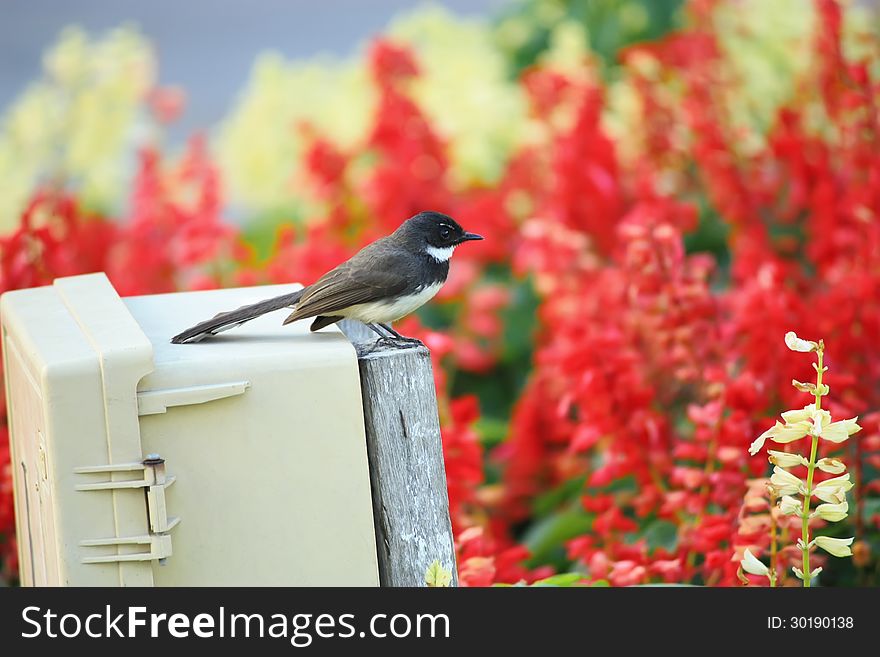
x=237 y=317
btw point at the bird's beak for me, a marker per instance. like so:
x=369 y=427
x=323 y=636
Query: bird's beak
x=467 y=237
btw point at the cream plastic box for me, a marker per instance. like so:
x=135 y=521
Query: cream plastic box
x=236 y=461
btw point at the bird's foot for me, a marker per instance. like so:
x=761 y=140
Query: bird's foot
x=405 y=340
x=397 y=343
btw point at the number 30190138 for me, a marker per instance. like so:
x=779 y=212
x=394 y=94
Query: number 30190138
x=810 y=622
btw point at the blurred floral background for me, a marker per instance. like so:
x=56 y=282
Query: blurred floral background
x=666 y=187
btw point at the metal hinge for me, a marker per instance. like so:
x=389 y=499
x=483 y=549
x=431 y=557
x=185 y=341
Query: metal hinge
x=155 y=481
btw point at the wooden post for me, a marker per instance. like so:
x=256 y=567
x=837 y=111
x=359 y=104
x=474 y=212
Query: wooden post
x=407 y=475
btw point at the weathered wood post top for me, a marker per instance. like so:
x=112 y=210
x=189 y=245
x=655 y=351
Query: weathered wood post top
x=407 y=473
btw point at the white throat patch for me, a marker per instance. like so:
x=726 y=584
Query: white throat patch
x=440 y=255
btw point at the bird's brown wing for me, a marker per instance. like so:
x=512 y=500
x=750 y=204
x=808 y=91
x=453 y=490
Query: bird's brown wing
x=374 y=273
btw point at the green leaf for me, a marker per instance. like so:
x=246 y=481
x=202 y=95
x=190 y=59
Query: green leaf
x=870 y=507
x=568 y=490
x=492 y=431
x=627 y=484
x=520 y=321
x=661 y=534
x=562 y=579
x=546 y=537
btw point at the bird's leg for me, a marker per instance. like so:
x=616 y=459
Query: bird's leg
x=384 y=340
x=375 y=329
x=397 y=335
x=393 y=340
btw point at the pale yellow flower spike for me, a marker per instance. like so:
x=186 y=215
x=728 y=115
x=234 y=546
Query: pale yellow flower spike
x=795 y=494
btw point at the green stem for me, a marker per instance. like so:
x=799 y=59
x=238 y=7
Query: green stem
x=805 y=526
x=811 y=468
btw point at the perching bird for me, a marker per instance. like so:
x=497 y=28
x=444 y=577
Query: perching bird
x=381 y=283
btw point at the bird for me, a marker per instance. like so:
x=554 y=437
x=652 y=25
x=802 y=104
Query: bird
x=384 y=281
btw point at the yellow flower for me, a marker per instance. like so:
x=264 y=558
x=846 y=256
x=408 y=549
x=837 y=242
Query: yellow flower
x=765 y=45
x=259 y=144
x=781 y=433
x=833 y=490
x=786 y=483
x=808 y=420
x=465 y=90
x=751 y=564
x=831 y=512
x=831 y=466
x=793 y=342
x=820 y=419
x=839 y=547
x=790 y=506
x=837 y=432
x=799 y=415
x=786 y=460
x=820 y=423
x=76 y=124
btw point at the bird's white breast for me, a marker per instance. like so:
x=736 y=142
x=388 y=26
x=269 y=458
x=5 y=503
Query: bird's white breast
x=391 y=310
x=440 y=254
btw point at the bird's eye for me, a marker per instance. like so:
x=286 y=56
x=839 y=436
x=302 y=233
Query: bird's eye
x=444 y=232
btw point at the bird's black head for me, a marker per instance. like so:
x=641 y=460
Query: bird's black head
x=438 y=232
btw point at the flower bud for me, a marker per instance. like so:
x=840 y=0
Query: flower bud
x=772 y=490
x=789 y=506
x=786 y=460
x=793 y=342
x=831 y=466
